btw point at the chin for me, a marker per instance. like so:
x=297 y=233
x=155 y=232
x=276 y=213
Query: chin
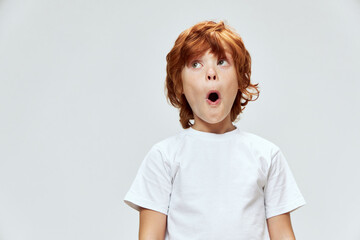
x=214 y=120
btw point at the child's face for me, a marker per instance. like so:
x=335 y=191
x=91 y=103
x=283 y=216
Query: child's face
x=206 y=73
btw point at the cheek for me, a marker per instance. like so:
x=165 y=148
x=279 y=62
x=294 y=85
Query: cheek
x=190 y=84
x=188 y=88
x=231 y=78
x=191 y=94
x=232 y=86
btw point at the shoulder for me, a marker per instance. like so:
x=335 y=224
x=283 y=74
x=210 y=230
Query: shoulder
x=169 y=146
x=170 y=141
x=259 y=144
x=261 y=148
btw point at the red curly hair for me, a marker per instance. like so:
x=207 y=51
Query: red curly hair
x=195 y=41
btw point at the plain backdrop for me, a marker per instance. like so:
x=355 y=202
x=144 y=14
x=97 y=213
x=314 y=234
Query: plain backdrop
x=82 y=101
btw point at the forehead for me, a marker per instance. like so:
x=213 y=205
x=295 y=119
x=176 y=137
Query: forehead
x=226 y=52
x=220 y=50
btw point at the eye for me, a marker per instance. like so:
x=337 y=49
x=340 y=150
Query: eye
x=195 y=64
x=223 y=62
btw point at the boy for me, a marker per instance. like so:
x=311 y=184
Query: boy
x=213 y=181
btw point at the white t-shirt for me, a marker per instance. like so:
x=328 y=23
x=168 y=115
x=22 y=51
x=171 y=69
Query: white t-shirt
x=215 y=186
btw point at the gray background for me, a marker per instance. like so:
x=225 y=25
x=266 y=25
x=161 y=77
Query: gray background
x=82 y=101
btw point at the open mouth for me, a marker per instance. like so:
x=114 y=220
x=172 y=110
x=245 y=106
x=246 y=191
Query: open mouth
x=213 y=97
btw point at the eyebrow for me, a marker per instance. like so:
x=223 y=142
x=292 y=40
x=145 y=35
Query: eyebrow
x=228 y=55
x=227 y=51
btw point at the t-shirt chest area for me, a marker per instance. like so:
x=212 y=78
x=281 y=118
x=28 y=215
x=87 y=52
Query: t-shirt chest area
x=221 y=168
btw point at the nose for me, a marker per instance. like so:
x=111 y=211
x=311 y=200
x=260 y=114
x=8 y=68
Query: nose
x=211 y=74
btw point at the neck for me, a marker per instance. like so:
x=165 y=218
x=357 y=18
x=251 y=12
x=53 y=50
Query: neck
x=219 y=128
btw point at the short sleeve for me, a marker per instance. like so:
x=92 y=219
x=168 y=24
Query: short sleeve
x=152 y=185
x=282 y=194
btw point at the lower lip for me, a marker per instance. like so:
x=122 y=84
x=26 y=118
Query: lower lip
x=213 y=103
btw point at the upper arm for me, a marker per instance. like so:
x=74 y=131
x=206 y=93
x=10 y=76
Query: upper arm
x=152 y=225
x=281 y=192
x=280 y=227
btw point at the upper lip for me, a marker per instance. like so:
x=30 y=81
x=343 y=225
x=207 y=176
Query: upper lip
x=213 y=91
